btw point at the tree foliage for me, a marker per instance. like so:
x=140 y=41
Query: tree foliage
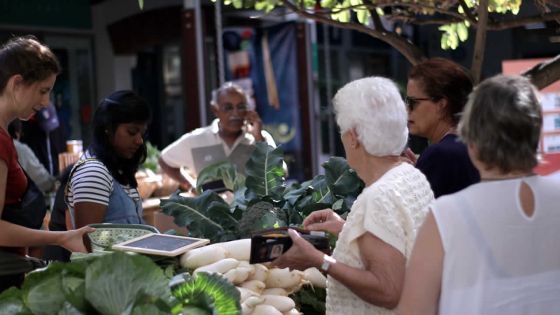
x=454 y=17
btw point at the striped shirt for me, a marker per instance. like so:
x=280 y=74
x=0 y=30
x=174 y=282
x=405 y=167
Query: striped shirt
x=92 y=182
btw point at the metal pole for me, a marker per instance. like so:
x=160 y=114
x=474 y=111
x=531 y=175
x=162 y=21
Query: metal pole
x=328 y=79
x=219 y=42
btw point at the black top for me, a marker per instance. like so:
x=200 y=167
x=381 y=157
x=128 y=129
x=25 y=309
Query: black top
x=447 y=166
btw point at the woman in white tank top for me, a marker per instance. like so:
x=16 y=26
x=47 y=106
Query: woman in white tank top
x=492 y=248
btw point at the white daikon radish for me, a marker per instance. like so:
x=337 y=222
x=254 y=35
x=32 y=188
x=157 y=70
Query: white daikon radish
x=238 y=275
x=239 y=249
x=261 y=273
x=281 y=303
x=248 y=306
x=315 y=277
x=221 y=266
x=245 y=294
x=283 y=278
x=293 y=311
x=275 y=291
x=253 y=285
x=265 y=309
x=202 y=256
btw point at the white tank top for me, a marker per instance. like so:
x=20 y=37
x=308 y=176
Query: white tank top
x=498 y=260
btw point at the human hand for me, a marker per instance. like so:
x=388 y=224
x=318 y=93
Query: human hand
x=254 y=124
x=408 y=156
x=324 y=220
x=301 y=255
x=73 y=240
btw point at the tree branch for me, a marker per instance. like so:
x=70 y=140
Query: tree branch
x=407 y=49
x=480 y=41
x=376 y=20
x=517 y=22
x=468 y=13
x=545 y=73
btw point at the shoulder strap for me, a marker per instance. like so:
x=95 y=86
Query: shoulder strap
x=76 y=165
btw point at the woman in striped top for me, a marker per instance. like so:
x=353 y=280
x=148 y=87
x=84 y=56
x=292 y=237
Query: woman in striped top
x=102 y=187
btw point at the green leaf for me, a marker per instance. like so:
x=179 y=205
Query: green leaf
x=341 y=178
x=141 y=4
x=11 y=302
x=208 y=291
x=328 y=4
x=265 y=172
x=224 y=171
x=207 y=215
x=341 y=13
x=363 y=16
x=462 y=32
x=53 y=280
x=69 y=309
x=113 y=282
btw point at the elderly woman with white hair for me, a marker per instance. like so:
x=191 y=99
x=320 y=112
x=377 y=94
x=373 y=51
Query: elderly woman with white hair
x=366 y=270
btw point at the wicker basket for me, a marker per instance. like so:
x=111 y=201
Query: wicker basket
x=108 y=234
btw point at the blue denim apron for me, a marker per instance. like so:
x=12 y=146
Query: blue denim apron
x=122 y=208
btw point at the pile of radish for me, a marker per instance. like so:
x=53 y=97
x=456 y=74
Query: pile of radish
x=263 y=290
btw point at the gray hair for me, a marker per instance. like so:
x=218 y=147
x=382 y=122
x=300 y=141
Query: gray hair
x=228 y=87
x=374 y=108
x=503 y=120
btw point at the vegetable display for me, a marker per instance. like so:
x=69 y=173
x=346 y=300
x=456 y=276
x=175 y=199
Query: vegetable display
x=262 y=290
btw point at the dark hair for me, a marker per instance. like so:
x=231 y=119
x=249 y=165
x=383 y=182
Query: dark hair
x=442 y=78
x=14 y=127
x=27 y=57
x=503 y=119
x=121 y=107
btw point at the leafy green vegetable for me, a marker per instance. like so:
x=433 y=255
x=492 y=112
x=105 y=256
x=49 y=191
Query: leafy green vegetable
x=311 y=301
x=207 y=215
x=114 y=290
x=152 y=157
x=11 y=302
x=265 y=174
x=206 y=292
x=224 y=171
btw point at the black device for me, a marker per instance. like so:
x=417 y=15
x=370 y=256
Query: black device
x=268 y=245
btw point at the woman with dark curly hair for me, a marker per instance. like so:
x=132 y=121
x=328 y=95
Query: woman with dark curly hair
x=102 y=187
x=437 y=91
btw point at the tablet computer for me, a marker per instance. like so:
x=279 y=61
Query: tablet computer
x=161 y=244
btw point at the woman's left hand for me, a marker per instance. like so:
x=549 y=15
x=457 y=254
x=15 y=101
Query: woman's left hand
x=301 y=255
x=73 y=240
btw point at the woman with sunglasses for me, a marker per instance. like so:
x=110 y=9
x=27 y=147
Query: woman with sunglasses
x=102 y=187
x=437 y=91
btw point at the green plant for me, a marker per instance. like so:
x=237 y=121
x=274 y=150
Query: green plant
x=266 y=201
x=118 y=283
x=152 y=157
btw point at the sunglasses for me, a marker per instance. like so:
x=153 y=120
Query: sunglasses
x=411 y=102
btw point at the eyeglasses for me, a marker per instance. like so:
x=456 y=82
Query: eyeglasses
x=228 y=107
x=411 y=102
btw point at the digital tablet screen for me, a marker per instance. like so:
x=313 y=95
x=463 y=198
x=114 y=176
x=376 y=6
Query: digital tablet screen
x=161 y=244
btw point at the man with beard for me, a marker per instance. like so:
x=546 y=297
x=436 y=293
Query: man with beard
x=231 y=136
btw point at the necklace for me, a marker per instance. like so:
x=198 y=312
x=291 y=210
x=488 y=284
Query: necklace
x=490 y=179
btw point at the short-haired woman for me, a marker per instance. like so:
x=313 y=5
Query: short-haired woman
x=437 y=91
x=492 y=248
x=366 y=270
x=102 y=187
x=28 y=70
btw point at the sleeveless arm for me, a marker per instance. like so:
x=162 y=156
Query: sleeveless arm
x=424 y=273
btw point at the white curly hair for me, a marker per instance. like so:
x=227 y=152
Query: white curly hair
x=374 y=107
